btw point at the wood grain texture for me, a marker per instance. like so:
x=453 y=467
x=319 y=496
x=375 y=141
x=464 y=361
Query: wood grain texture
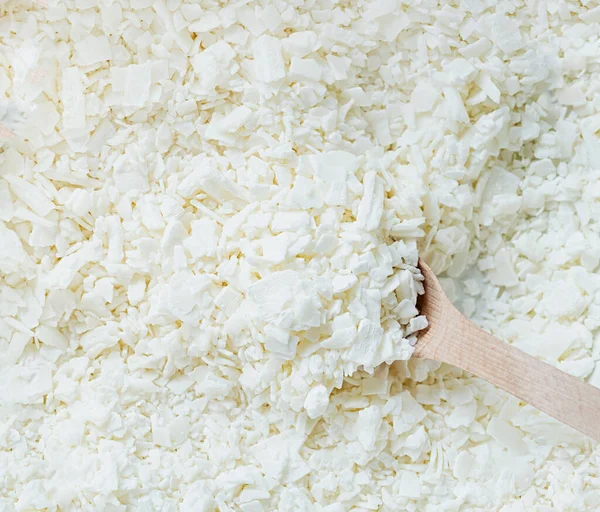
x=453 y=339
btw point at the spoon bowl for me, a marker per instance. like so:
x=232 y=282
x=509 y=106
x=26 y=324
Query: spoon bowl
x=451 y=338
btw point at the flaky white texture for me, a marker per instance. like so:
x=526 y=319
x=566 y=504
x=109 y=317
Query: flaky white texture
x=210 y=213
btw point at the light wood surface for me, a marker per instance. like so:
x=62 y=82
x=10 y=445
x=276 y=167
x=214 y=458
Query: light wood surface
x=453 y=339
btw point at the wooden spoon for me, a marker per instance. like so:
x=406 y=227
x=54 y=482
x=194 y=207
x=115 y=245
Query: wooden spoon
x=451 y=338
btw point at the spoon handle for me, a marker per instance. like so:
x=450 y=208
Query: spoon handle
x=541 y=385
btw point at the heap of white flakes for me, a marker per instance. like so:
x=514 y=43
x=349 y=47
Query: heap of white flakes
x=210 y=220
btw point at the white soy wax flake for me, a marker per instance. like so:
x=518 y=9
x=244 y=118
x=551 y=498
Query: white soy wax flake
x=211 y=218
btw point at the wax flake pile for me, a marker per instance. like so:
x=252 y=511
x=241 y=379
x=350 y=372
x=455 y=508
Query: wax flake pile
x=210 y=222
